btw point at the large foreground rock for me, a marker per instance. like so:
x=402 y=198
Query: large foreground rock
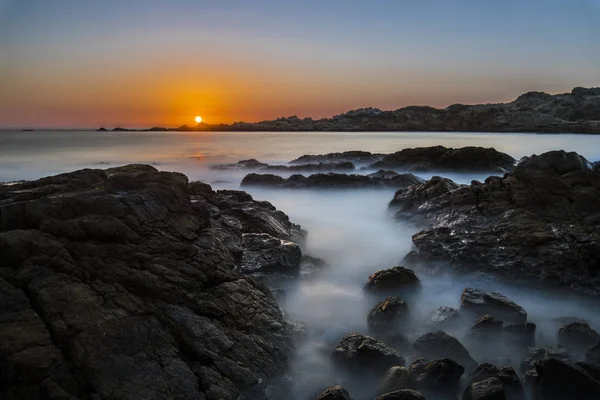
x=539 y=223
x=364 y=354
x=121 y=283
x=334 y=393
x=560 y=380
x=330 y=181
x=489 y=389
x=440 y=158
x=404 y=394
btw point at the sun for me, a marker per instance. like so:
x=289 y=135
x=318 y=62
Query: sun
x=198 y=119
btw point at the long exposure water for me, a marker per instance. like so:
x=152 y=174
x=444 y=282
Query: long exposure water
x=350 y=229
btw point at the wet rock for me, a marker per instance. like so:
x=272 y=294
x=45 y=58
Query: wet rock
x=398 y=341
x=121 y=283
x=265 y=253
x=489 y=389
x=393 y=280
x=442 y=317
x=521 y=334
x=199 y=188
x=334 y=393
x=382 y=173
x=396 y=378
x=437 y=376
x=507 y=375
x=496 y=305
x=578 y=337
x=544 y=353
x=387 y=315
x=592 y=356
x=329 y=181
x=404 y=394
x=546 y=204
x=568 y=380
x=364 y=354
x=487 y=324
x=438 y=344
x=440 y=158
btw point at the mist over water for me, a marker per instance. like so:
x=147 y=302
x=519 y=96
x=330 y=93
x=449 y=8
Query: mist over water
x=351 y=229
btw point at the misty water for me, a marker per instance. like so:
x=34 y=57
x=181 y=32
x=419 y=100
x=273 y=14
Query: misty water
x=351 y=229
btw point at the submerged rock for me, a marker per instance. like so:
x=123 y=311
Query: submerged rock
x=578 y=337
x=334 y=393
x=356 y=156
x=592 y=356
x=396 y=378
x=440 y=158
x=387 y=315
x=442 y=317
x=544 y=353
x=364 y=354
x=521 y=334
x=438 y=344
x=404 y=394
x=339 y=166
x=329 y=181
x=242 y=164
x=121 y=283
x=437 y=376
x=495 y=304
x=526 y=225
x=393 y=280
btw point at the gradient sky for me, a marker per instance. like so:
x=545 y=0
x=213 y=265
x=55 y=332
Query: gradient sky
x=139 y=63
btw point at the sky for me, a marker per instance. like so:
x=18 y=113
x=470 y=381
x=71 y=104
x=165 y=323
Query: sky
x=142 y=63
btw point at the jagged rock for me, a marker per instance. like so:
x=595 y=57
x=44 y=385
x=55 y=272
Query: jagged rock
x=329 y=181
x=487 y=323
x=507 y=375
x=242 y=164
x=479 y=302
x=364 y=354
x=592 y=356
x=578 y=337
x=547 y=205
x=438 y=158
x=436 y=376
x=562 y=380
x=396 y=378
x=489 y=389
x=404 y=394
x=393 y=280
x=334 y=393
x=544 y=353
x=438 y=344
x=387 y=315
x=121 y=283
x=265 y=253
x=442 y=317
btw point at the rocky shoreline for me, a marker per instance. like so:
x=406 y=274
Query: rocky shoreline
x=574 y=112
x=132 y=283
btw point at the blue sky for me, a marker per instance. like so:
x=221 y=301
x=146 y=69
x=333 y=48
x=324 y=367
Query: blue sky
x=67 y=62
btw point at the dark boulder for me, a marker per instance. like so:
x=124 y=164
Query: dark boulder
x=387 y=315
x=396 y=378
x=489 y=389
x=334 y=393
x=121 y=283
x=578 y=337
x=440 y=158
x=546 y=205
x=404 y=394
x=393 y=280
x=364 y=354
x=543 y=353
x=355 y=156
x=340 y=167
x=520 y=334
x=242 y=164
x=487 y=324
x=438 y=344
x=563 y=380
x=507 y=375
x=330 y=181
x=437 y=376
x=496 y=305
x=442 y=317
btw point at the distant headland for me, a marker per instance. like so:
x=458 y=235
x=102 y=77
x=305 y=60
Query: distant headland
x=535 y=112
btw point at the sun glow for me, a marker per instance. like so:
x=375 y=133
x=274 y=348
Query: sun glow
x=198 y=119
